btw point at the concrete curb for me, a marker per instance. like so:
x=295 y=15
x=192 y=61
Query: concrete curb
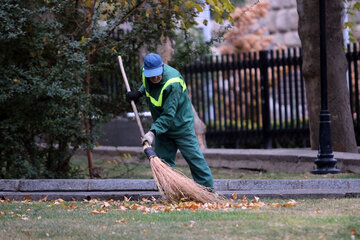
x=117 y=189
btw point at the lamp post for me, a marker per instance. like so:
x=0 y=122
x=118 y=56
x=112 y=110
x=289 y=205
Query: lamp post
x=325 y=162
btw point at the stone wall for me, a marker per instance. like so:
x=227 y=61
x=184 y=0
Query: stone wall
x=282 y=23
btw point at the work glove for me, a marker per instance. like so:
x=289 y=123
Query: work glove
x=148 y=137
x=133 y=96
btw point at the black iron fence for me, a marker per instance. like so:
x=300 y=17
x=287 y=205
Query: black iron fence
x=258 y=99
x=353 y=57
x=251 y=100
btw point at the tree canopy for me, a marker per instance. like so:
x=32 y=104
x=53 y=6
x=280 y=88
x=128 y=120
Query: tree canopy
x=51 y=56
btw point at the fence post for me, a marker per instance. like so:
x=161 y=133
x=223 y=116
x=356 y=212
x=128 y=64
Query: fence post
x=265 y=106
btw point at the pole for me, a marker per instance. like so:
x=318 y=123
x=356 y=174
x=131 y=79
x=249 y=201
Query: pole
x=138 y=121
x=325 y=161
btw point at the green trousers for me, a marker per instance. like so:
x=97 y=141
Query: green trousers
x=166 y=148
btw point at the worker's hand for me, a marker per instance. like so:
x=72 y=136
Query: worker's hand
x=148 y=137
x=133 y=96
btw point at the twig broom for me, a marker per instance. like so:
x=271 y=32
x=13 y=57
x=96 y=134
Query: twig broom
x=172 y=184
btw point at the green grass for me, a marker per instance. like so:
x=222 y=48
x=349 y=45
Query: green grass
x=310 y=219
x=116 y=169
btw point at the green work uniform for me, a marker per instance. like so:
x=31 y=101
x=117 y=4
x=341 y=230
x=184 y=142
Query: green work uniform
x=173 y=123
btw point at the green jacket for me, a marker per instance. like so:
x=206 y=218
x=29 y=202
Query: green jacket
x=169 y=104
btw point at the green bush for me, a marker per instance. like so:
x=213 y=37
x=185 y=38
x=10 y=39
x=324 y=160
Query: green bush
x=52 y=56
x=42 y=100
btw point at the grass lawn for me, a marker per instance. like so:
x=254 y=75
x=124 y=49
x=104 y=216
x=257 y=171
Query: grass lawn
x=116 y=169
x=308 y=219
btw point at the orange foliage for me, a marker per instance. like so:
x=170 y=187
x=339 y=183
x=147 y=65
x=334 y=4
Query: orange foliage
x=244 y=37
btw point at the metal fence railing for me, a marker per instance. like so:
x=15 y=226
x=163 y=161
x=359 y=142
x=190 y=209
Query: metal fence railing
x=353 y=57
x=253 y=99
x=258 y=99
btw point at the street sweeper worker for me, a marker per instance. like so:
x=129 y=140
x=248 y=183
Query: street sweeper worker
x=173 y=117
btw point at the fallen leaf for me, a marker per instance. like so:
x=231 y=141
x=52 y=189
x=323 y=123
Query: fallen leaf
x=123 y=220
x=27 y=198
x=44 y=199
x=94 y=212
x=234 y=196
x=105 y=205
x=191 y=223
x=322 y=236
x=27 y=233
x=144 y=231
x=291 y=203
x=253 y=206
x=276 y=205
x=135 y=207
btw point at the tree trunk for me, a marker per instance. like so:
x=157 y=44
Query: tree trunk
x=87 y=124
x=200 y=130
x=342 y=129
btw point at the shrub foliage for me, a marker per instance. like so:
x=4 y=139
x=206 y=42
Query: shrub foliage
x=51 y=56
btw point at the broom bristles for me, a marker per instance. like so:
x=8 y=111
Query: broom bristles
x=175 y=186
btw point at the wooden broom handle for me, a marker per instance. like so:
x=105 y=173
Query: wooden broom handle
x=132 y=102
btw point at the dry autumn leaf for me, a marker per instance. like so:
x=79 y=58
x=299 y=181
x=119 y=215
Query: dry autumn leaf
x=322 y=236
x=44 y=199
x=191 y=223
x=291 y=203
x=276 y=205
x=121 y=208
x=123 y=220
x=94 y=212
x=234 y=196
x=105 y=205
x=158 y=205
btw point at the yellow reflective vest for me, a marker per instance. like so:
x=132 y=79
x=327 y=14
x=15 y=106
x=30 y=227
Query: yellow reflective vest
x=169 y=104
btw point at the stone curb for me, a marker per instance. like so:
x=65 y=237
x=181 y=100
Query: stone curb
x=72 y=185
x=80 y=196
x=79 y=189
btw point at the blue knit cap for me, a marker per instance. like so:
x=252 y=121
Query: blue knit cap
x=153 y=65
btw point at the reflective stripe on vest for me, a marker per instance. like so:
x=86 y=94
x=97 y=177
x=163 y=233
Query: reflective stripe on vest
x=158 y=103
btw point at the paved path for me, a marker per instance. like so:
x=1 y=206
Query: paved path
x=271 y=160
x=116 y=189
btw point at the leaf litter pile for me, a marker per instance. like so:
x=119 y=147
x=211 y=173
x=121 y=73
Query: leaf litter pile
x=151 y=205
